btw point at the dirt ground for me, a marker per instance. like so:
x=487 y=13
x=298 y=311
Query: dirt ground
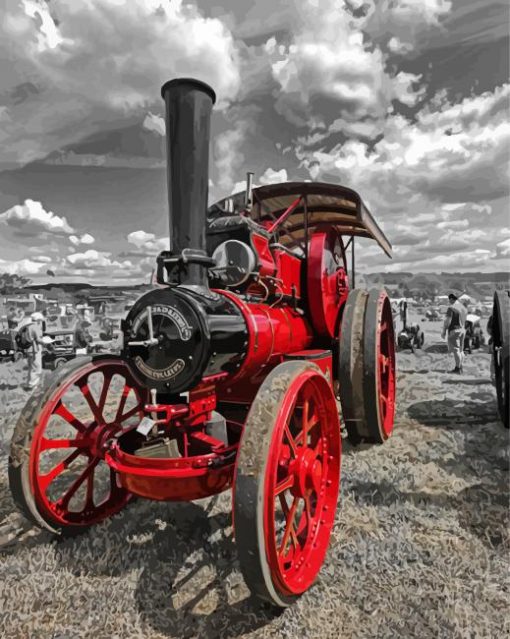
x=419 y=549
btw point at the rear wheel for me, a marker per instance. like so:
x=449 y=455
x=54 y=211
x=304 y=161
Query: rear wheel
x=367 y=366
x=57 y=474
x=287 y=481
x=501 y=352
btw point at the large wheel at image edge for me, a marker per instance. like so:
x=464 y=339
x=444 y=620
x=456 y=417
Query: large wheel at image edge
x=48 y=425
x=287 y=481
x=367 y=366
x=501 y=352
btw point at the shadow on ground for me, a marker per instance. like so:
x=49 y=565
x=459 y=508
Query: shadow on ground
x=454 y=413
x=185 y=567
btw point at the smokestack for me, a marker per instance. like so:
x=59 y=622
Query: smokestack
x=188 y=104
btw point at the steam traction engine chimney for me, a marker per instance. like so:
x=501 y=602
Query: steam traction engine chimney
x=188 y=104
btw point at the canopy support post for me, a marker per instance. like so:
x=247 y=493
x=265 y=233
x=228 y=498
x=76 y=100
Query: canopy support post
x=353 y=272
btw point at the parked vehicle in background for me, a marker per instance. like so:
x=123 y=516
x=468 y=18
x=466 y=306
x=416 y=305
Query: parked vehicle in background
x=62 y=348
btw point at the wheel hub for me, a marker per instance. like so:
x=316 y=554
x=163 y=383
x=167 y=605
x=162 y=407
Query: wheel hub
x=99 y=435
x=306 y=470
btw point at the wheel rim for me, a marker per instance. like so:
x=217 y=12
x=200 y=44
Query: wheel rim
x=71 y=483
x=386 y=369
x=327 y=280
x=301 y=485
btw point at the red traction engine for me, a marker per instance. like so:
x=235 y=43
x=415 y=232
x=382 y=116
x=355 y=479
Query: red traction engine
x=230 y=374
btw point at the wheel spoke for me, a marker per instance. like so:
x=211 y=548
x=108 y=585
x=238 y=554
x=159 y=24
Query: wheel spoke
x=45 y=480
x=318 y=447
x=122 y=402
x=284 y=505
x=289 y=526
x=304 y=423
x=290 y=439
x=89 y=497
x=66 y=498
x=65 y=413
x=284 y=485
x=314 y=420
x=316 y=482
x=306 y=518
x=85 y=391
x=50 y=444
x=130 y=413
x=107 y=378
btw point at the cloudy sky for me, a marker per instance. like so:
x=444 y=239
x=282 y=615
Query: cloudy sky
x=406 y=101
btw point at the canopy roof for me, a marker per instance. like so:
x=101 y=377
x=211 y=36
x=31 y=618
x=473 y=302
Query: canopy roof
x=324 y=203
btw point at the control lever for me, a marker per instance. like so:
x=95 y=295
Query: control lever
x=152 y=341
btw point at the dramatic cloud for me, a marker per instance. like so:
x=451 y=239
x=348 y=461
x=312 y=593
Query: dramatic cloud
x=65 y=66
x=401 y=99
x=453 y=152
x=401 y=24
x=330 y=71
x=30 y=219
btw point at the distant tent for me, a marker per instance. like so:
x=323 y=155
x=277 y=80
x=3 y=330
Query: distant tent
x=50 y=273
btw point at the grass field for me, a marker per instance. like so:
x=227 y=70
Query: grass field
x=420 y=546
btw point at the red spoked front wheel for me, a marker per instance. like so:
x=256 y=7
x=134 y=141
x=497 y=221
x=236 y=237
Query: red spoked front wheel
x=57 y=474
x=287 y=481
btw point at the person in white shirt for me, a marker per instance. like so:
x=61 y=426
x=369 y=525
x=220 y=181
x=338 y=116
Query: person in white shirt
x=34 y=352
x=454 y=324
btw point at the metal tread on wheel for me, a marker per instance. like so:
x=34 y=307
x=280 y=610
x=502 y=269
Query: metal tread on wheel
x=366 y=371
x=287 y=482
x=501 y=352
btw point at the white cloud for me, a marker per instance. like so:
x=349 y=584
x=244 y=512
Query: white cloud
x=86 y=238
x=89 y=259
x=453 y=224
x=147 y=243
x=396 y=46
x=31 y=219
x=23 y=267
x=270 y=176
x=102 y=266
x=68 y=65
x=228 y=150
x=504 y=247
x=154 y=123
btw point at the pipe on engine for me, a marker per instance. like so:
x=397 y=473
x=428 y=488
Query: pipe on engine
x=188 y=104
